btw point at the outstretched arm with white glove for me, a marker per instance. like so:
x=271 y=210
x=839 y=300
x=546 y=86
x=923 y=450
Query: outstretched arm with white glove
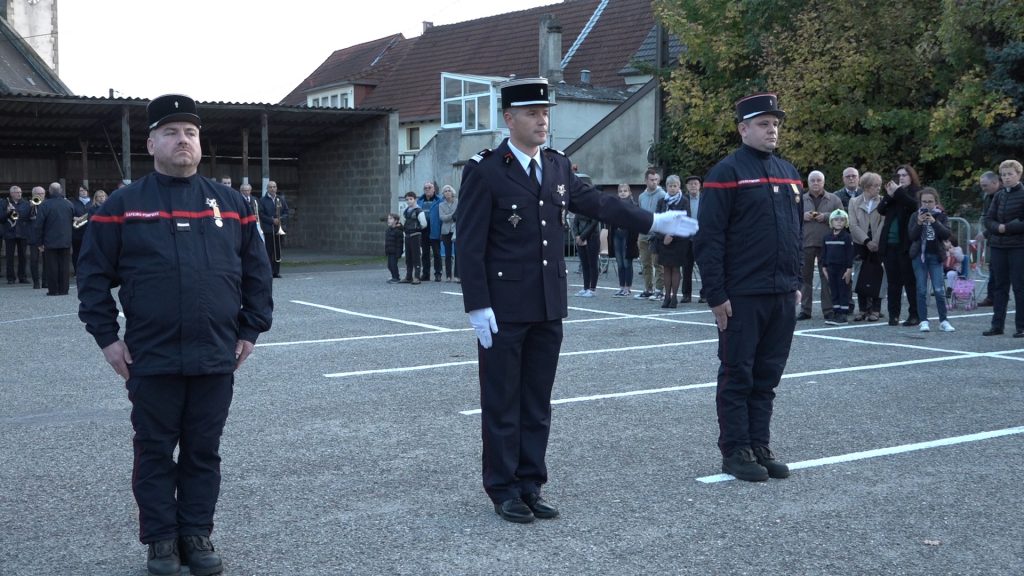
x=484 y=324
x=674 y=223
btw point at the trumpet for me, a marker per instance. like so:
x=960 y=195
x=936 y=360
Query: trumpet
x=80 y=221
x=12 y=213
x=36 y=200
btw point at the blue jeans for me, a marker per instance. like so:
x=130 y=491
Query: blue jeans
x=930 y=268
x=624 y=265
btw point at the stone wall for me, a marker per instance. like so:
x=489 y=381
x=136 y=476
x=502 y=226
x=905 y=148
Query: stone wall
x=345 y=190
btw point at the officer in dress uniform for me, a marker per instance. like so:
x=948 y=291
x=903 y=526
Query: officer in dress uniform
x=195 y=289
x=511 y=218
x=749 y=250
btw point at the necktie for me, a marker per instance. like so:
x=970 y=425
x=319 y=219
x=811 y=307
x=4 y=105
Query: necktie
x=533 y=173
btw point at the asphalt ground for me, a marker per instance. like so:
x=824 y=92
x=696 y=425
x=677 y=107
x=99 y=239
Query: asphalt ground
x=353 y=445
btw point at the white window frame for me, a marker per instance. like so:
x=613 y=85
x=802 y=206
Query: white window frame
x=337 y=98
x=472 y=102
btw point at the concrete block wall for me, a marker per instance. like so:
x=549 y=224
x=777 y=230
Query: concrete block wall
x=345 y=190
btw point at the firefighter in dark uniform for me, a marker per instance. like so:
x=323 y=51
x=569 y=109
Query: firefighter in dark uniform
x=15 y=227
x=511 y=216
x=51 y=235
x=195 y=289
x=749 y=250
x=273 y=214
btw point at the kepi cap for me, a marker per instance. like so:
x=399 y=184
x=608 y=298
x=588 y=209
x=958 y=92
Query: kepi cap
x=693 y=177
x=758 y=104
x=525 y=92
x=172 y=108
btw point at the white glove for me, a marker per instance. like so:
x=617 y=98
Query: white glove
x=674 y=223
x=483 y=323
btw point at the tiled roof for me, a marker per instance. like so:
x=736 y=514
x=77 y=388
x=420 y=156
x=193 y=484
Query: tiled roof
x=509 y=44
x=366 y=63
x=646 y=53
x=22 y=70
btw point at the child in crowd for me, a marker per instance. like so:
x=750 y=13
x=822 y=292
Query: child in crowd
x=837 y=256
x=393 y=239
x=413 y=222
x=927 y=230
x=622 y=247
x=953 y=266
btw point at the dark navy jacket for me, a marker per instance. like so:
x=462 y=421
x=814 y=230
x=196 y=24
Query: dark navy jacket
x=22 y=227
x=52 y=228
x=268 y=208
x=750 y=239
x=837 y=251
x=190 y=288
x=511 y=236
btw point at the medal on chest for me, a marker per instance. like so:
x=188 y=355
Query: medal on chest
x=514 y=219
x=217 y=219
x=561 y=199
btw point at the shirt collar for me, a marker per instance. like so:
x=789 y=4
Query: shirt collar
x=524 y=159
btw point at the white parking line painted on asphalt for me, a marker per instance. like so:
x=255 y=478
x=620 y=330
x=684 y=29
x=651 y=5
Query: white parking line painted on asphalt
x=351 y=338
x=361 y=315
x=448 y=364
x=34 y=318
x=957 y=356
x=877 y=453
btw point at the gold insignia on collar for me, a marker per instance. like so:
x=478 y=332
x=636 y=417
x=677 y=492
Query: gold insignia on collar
x=561 y=189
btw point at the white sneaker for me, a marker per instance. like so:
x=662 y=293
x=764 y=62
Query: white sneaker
x=945 y=326
x=588 y=294
x=925 y=327
x=582 y=292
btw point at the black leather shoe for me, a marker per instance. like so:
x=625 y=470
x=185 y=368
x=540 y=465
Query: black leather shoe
x=893 y=321
x=1019 y=334
x=514 y=510
x=539 y=507
x=686 y=299
x=743 y=466
x=197 y=552
x=163 y=559
x=803 y=316
x=765 y=458
x=912 y=321
x=993 y=332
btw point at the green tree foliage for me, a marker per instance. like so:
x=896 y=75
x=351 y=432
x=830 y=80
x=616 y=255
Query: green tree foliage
x=935 y=83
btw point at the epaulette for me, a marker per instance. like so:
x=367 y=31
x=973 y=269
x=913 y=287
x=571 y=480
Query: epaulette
x=480 y=155
x=556 y=151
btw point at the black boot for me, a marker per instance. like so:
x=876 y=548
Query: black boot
x=674 y=303
x=163 y=559
x=742 y=464
x=198 y=553
x=667 y=302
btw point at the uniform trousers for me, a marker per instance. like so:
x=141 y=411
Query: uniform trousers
x=516 y=376
x=899 y=273
x=412 y=254
x=187 y=412
x=753 y=351
x=589 y=255
x=839 y=289
x=35 y=265
x=688 y=264
x=1007 y=265
x=648 y=264
x=430 y=245
x=56 y=269
x=274 y=245
x=812 y=254
x=16 y=247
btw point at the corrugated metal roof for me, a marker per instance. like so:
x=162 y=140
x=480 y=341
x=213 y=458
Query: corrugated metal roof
x=38 y=124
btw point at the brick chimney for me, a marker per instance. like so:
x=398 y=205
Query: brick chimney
x=549 y=55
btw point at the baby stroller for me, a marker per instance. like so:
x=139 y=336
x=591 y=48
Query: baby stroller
x=963 y=295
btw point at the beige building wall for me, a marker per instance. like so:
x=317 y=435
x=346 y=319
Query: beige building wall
x=36 y=21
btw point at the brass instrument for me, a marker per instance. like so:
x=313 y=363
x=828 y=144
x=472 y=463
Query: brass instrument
x=80 y=221
x=277 y=207
x=36 y=200
x=12 y=213
x=279 y=232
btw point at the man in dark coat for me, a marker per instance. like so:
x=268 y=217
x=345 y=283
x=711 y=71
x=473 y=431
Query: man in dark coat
x=511 y=219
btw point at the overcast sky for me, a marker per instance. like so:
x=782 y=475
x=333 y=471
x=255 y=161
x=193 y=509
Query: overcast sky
x=233 y=50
